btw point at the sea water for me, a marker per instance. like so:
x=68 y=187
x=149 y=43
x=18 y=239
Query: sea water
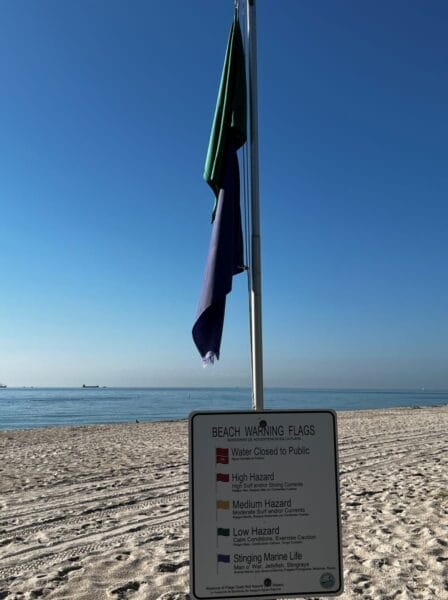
x=22 y=408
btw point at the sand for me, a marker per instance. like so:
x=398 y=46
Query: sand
x=101 y=512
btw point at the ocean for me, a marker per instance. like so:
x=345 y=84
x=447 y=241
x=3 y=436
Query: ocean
x=24 y=408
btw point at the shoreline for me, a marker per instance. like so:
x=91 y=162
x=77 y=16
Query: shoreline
x=101 y=511
x=144 y=421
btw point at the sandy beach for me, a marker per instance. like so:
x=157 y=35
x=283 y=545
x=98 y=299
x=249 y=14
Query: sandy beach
x=101 y=512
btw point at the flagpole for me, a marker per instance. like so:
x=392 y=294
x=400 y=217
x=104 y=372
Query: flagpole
x=255 y=263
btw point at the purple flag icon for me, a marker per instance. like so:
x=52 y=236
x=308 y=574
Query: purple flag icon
x=225 y=558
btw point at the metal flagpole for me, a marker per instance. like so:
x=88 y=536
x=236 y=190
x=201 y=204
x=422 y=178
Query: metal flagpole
x=255 y=263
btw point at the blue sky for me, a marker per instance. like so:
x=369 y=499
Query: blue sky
x=105 y=114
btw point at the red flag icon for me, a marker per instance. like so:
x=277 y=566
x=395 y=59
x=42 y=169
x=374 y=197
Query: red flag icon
x=222 y=456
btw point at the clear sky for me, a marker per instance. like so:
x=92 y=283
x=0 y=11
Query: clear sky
x=105 y=113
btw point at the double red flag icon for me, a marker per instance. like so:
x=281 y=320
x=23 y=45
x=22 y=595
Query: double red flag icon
x=222 y=456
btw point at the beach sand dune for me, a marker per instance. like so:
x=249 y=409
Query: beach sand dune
x=101 y=512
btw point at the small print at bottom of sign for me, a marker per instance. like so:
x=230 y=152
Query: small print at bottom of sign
x=264 y=504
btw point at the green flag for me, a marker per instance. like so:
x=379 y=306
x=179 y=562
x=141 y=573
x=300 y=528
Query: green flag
x=230 y=113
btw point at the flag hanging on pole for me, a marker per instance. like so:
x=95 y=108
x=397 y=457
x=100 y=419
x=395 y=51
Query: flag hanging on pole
x=225 y=257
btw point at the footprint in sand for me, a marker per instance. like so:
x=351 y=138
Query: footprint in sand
x=121 y=592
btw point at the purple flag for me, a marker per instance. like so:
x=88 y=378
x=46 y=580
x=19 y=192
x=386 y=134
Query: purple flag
x=225 y=259
x=225 y=558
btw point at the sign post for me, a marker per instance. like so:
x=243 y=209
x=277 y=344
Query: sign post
x=264 y=505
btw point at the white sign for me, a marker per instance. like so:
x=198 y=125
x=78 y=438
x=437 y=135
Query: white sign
x=264 y=504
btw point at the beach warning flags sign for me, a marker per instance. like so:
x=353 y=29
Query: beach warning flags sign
x=264 y=505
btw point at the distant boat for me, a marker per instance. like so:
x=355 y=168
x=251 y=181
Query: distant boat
x=89 y=386
x=2 y=385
